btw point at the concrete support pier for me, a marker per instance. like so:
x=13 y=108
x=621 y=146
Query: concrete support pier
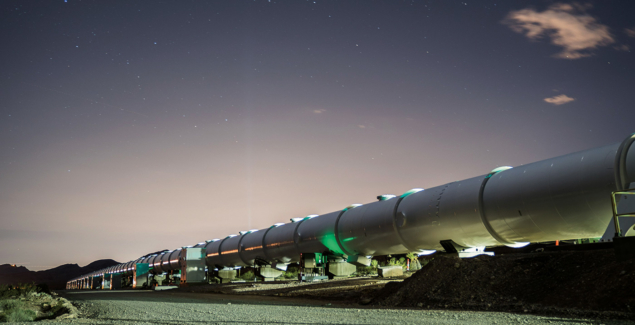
x=157 y=279
x=390 y=271
x=339 y=268
x=267 y=273
x=226 y=275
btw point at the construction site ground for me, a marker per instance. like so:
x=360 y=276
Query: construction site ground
x=589 y=286
x=174 y=307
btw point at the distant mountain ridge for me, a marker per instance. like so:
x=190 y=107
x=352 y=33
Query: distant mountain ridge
x=55 y=278
x=7 y=269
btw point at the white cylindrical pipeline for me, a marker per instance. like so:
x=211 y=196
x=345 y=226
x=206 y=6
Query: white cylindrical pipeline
x=251 y=247
x=317 y=235
x=156 y=264
x=175 y=260
x=446 y=212
x=229 y=252
x=213 y=255
x=165 y=261
x=630 y=163
x=368 y=229
x=565 y=197
x=279 y=244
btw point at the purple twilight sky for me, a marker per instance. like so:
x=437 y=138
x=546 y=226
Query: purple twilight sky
x=127 y=127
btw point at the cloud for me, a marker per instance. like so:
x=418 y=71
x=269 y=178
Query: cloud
x=622 y=47
x=568 y=26
x=630 y=32
x=559 y=99
x=319 y=111
x=361 y=126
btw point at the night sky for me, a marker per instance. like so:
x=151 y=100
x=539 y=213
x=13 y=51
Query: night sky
x=128 y=127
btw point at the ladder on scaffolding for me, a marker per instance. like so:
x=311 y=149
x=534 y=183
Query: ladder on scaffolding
x=624 y=246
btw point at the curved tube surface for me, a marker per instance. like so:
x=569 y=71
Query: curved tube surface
x=566 y=197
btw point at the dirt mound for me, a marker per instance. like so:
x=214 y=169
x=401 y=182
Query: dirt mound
x=569 y=282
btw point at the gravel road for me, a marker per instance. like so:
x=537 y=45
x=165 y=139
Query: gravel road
x=148 y=307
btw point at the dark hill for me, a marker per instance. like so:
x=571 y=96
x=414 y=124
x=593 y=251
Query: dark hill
x=55 y=278
x=6 y=269
x=100 y=264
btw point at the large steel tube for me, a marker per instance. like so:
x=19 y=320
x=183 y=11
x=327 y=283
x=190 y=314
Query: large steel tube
x=202 y=244
x=369 y=230
x=279 y=244
x=165 y=261
x=630 y=166
x=156 y=264
x=127 y=270
x=146 y=259
x=151 y=264
x=252 y=247
x=624 y=164
x=212 y=253
x=318 y=234
x=565 y=197
x=446 y=212
x=229 y=252
x=175 y=260
x=561 y=198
